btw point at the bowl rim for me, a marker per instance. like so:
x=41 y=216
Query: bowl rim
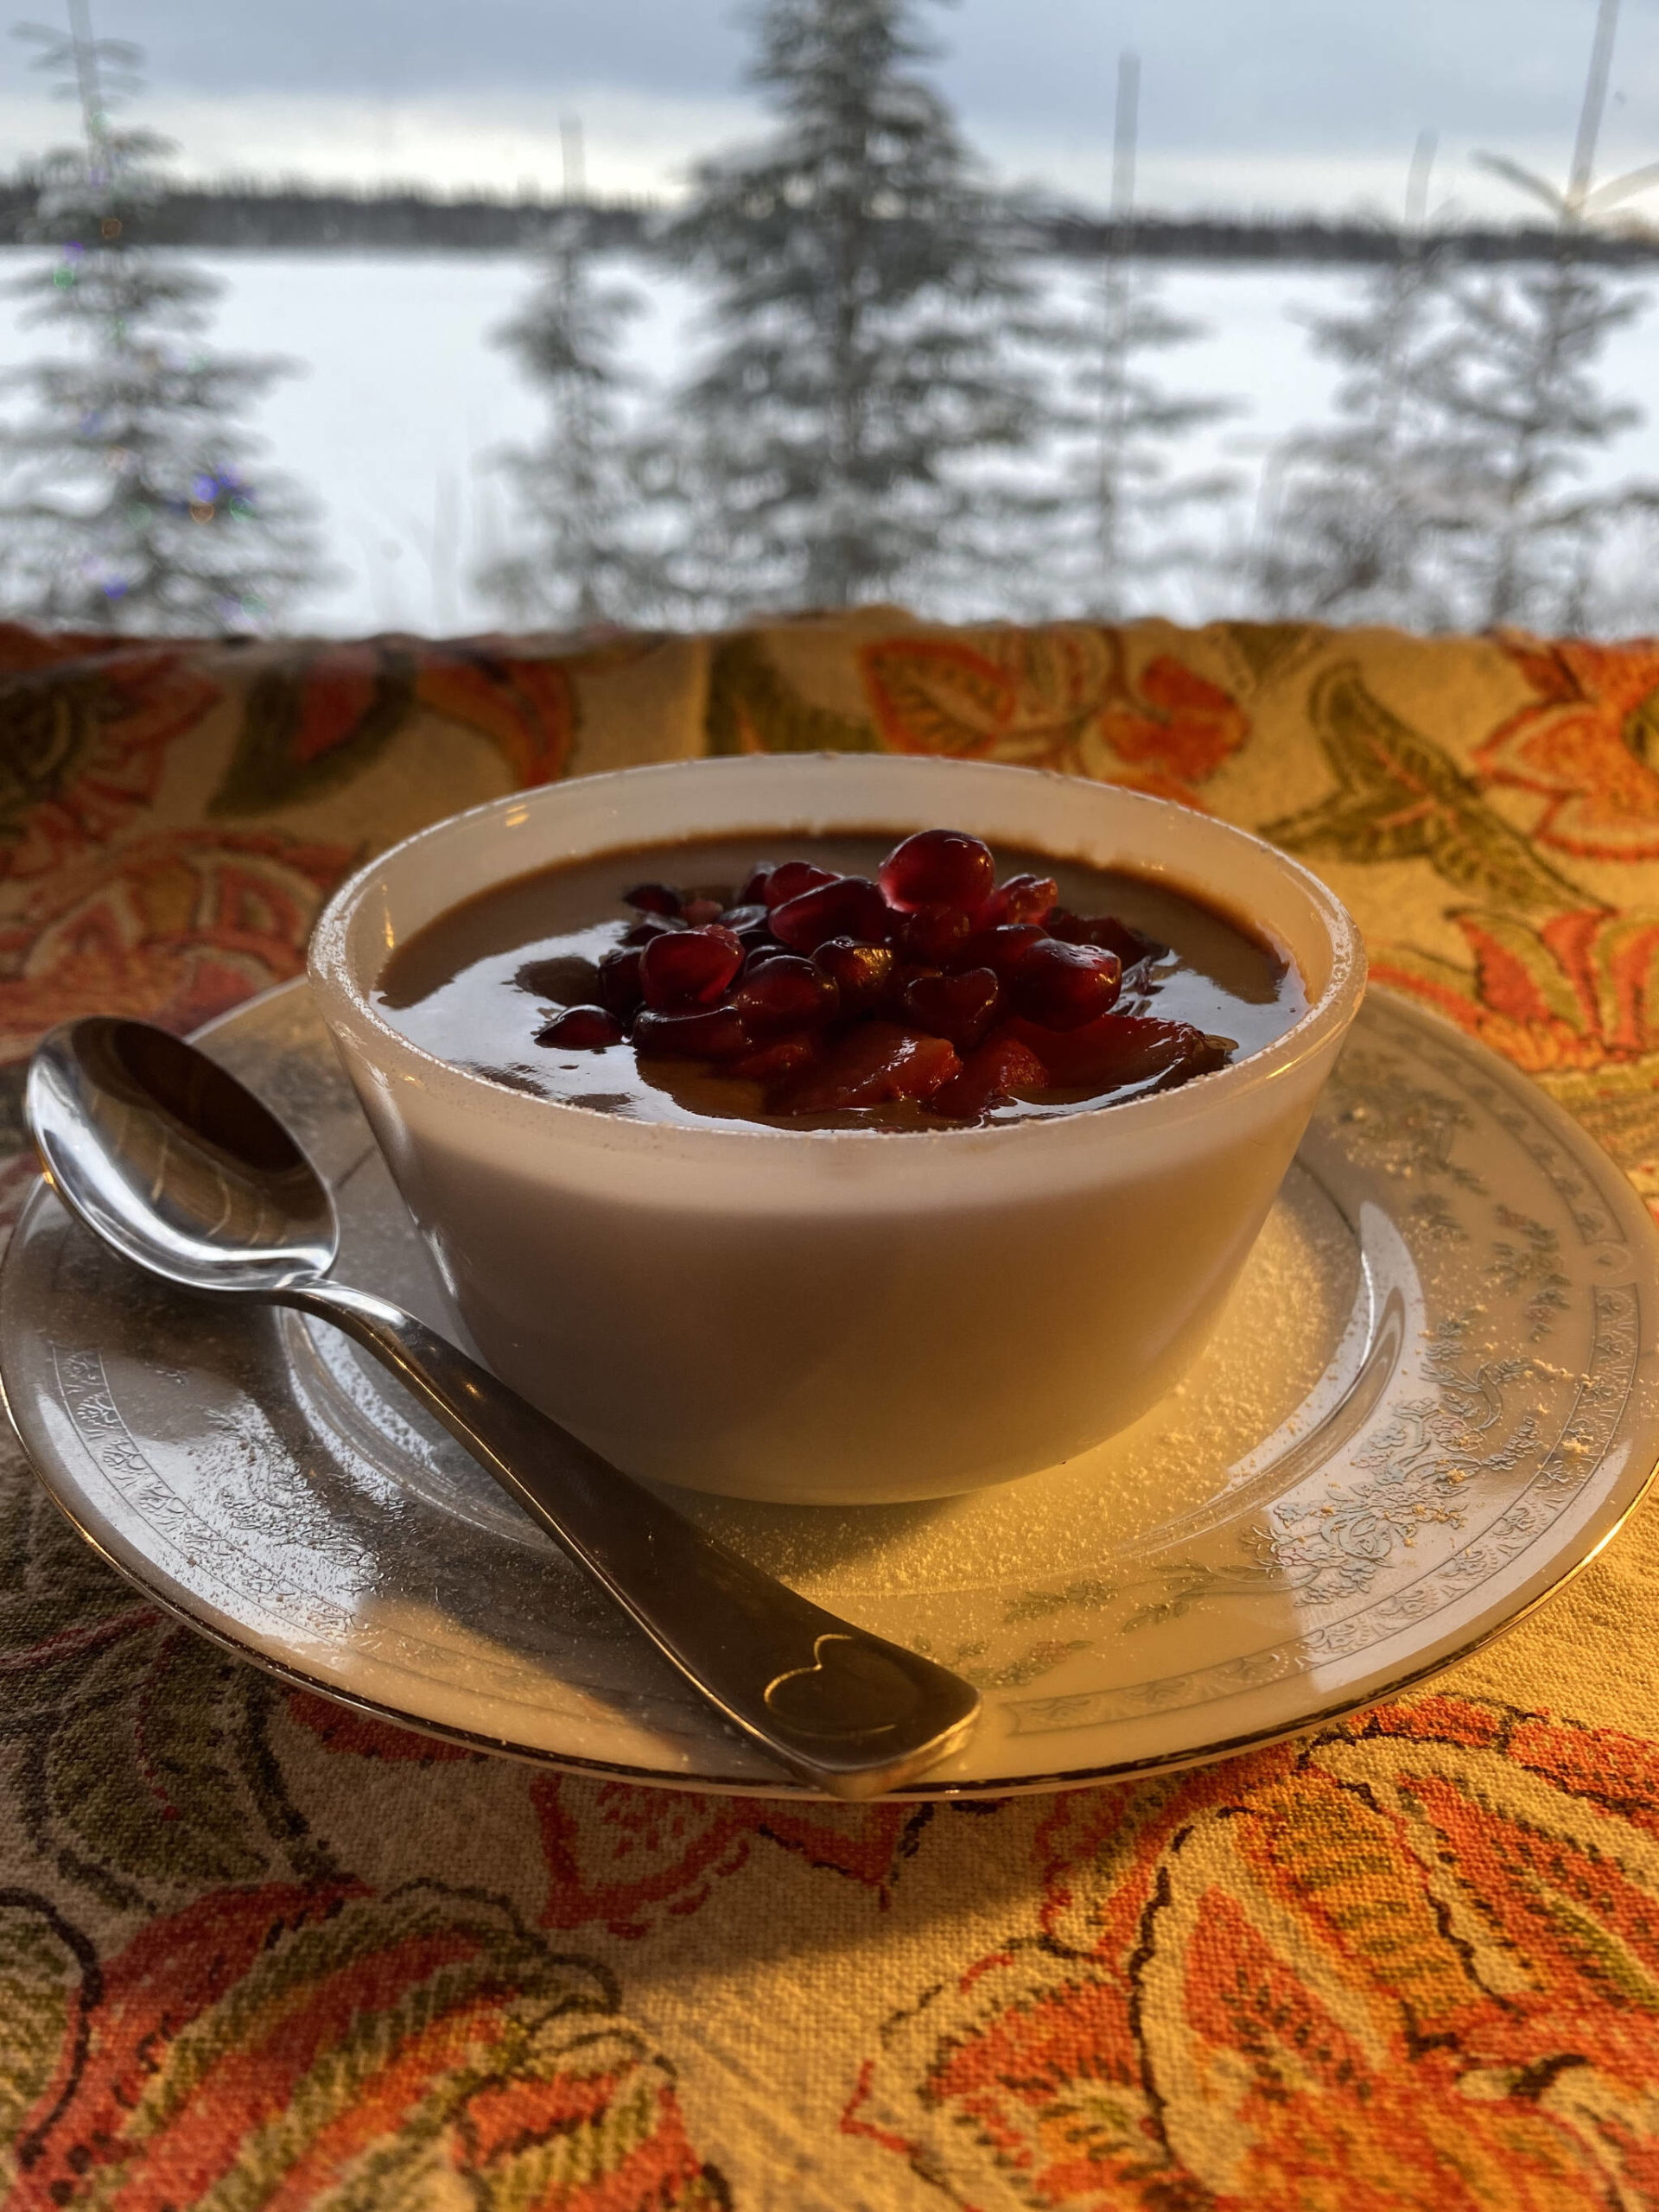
x=345 y=1003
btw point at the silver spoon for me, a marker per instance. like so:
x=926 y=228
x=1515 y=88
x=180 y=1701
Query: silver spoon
x=167 y=1159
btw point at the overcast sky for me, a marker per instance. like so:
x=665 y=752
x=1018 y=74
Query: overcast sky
x=1252 y=103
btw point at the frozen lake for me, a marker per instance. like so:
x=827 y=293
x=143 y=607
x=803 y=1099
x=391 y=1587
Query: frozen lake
x=403 y=400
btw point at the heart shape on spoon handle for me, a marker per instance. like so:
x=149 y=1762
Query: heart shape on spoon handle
x=165 y=1156
x=840 y=1707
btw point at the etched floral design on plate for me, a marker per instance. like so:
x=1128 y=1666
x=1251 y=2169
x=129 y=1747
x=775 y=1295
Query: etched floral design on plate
x=1424 y=1405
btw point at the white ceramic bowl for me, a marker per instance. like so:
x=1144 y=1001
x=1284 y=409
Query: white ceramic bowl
x=836 y=1316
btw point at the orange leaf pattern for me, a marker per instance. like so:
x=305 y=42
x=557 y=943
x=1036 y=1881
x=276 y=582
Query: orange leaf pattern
x=1414 y=1965
x=1576 y=991
x=525 y=704
x=260 y=1950
x=84 y=732
x=1587 y=743
x=282 y=2040
x=629 y=1854
x=1061 y=698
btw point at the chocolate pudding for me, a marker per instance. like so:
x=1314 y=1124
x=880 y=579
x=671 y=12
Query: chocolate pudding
x=929 y=985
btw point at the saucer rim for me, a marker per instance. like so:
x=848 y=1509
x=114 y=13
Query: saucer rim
x=1122 y=1772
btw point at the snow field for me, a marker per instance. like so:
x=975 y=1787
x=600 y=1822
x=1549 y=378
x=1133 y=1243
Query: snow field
x=404 y=400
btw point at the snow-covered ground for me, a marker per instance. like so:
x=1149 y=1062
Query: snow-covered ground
x=403 y=399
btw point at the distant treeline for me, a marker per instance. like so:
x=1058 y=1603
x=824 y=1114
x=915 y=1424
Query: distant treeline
x=297 y=217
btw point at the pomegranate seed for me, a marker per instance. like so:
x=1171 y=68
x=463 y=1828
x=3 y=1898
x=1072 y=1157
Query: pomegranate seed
x=961 y=1007
x=652 y=899
x=903 y=974
x=742 y=918
x=932 y=934
x=619 y=986
x=1004 y=948
x=785 y=993
x=1022 y=898
x=859 y=972
x=1118 y=1049
x=938 y=867
x=753 y=893
x=785 y=1056
x=584 y=1028
x=790 y=880
x=1061 y=985
x=643 y=933
x=689 y=969
x=872 y=1064
x=762 y=955
x=1107 y=932
x=990 y=1077
x=848 y=906
x=698 y=912
x=713 y=1033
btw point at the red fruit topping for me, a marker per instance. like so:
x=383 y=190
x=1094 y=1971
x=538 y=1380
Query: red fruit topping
x=788 y=993
x=785 y=1056
x=643 y=933
x=871 y=1065
x=1002 y=949
x=1107 y=932
x=961 y=1007
x=744 y=918
x=582 y=1028
x=846 y=905
x=788 y=881
x=652 y=899
x=762 y=955
x=691 y=967
x=939 y=985
x=619 y=986
x=1062 y=986
x=904 y=973
x=990 y=1077
x=1120 y=1049
x=712 y=1033
x=938 y=867
x=859 y=972
x=934 y=935
x=1022 y=898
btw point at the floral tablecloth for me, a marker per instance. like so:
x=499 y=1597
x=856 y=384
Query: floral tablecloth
x=256 y=1950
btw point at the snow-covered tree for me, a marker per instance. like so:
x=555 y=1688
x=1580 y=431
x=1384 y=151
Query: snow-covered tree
x=869 y=312
x=1517 y=389
x=1452 y=490
x=586 y=554
x=1524 y=411
x=1121 y=533
x=130 y=500
x=1355 y=512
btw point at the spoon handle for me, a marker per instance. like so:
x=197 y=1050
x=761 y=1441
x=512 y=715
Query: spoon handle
x=844 y=1710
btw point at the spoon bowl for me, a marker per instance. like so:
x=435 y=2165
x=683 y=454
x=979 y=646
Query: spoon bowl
x=171 y=1161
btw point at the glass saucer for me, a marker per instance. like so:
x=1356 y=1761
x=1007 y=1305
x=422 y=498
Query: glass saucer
x=1430 y=1400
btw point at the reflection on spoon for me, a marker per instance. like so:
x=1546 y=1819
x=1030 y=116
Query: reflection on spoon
x=171 y=1161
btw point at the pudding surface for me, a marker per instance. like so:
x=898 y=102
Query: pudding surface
x=481 y=984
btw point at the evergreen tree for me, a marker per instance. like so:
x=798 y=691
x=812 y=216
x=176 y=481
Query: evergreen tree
x=1359 y=511
x=1125 y=529
x=1517 y=389
x=1523 y=408
x=868 y=313
x=129 y=502
x=588 y=557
